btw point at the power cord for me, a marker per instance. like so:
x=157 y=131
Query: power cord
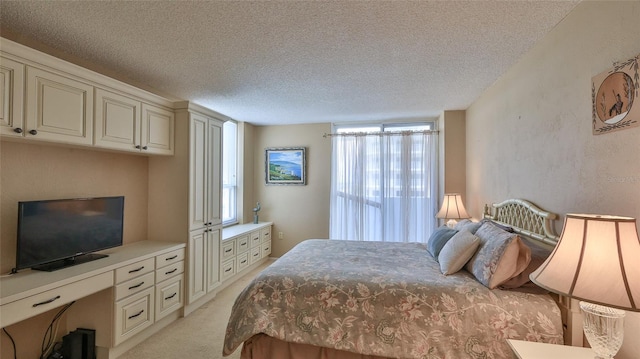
x=15 y=354
x=48 y=341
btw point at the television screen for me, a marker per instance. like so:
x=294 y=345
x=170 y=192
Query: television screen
x=59 y=230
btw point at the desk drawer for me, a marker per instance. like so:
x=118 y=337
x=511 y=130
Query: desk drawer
x=134 y=285
x=242 y=244
x=133 y=270
x=14 y=312
x=255 y=255
x=134 y=314
x=169 y=297
x=170 y=258
x=242 y=261
x=167 y=272
x=228 y=269
x=228 y=249
x=255 y=238
x=265 y=233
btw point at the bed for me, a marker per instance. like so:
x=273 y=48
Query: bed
x=370 y=300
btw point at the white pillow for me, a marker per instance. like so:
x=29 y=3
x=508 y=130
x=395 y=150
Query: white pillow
x=457 y=252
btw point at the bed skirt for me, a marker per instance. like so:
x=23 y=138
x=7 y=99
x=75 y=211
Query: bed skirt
x=262 y=346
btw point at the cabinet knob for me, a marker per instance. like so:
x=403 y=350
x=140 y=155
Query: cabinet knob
x=33 y=132
x=17 y=130
x=138 y=146
x=144 y=148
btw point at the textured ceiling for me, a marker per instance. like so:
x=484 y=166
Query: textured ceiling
x=295 y=62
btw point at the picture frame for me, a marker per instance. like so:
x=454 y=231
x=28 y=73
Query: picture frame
x=285 y=166
x=614 y=96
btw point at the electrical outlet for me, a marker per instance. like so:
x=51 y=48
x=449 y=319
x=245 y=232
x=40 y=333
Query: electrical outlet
x=280 y=235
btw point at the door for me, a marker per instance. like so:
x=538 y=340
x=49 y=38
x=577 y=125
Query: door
x=11 y=98
x=117 y=121
x=197 y=265
x=58 y=108
x=157 y=130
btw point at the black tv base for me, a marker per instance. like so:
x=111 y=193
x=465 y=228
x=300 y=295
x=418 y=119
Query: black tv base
x=68 y=262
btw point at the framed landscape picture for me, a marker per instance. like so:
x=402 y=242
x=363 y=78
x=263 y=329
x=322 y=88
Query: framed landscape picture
x=285 y=166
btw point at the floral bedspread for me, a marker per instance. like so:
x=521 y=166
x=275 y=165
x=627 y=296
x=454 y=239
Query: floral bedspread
x=386 y=299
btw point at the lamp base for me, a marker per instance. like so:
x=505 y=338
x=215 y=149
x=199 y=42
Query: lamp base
x=604 y=329
x=451 y=223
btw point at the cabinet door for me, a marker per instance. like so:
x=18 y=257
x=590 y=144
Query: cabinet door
x=157 y=130
x=117 y=121
x=197 y=286
x=198 y=168
x=214 y=208
x=59 y=108
x=213 y=255
x=11 y=98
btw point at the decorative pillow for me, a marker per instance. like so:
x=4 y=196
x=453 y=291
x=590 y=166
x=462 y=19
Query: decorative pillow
x=467 y=224
x=500 y=257
x=438 y=239
x=501 y=226
x=457 y=252
x=538 y=255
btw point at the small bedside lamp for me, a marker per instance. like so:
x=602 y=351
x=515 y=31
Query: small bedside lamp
x=596 y=261
x=452 y=209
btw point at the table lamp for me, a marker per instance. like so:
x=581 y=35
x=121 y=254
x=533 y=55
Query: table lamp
x=596 y=262
x=452 y=209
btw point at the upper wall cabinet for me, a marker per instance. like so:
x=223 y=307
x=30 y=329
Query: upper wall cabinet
x=124 y=123
x=157 y=134
x=12 y=95
x=58 y=102
x=58 y=108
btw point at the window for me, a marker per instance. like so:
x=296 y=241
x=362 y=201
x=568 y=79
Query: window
x=229 y=172
x=383 y=182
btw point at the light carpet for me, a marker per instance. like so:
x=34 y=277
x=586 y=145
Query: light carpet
x=201 y=333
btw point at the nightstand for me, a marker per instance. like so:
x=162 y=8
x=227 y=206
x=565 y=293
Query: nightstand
x=533 y=350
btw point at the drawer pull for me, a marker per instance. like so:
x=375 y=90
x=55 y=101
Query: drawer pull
x=172 y=257
x=256 y=254
x=266 y=249
x=171 y=296
x=136 y=315
x=136 y=270
x=228 y=270
x=266 y=234
x=227 y=250
x=136 y=286
x=47 y=301
x=243 y=262
x=171 y=271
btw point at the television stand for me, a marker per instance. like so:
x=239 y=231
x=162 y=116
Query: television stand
x=68 y=262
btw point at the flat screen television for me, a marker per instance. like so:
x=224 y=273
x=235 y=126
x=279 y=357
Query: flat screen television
x=54 y=234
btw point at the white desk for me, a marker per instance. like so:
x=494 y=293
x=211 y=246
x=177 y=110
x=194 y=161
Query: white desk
x=533 y=350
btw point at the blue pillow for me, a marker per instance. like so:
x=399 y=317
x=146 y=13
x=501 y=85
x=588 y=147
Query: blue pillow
x=438 y=239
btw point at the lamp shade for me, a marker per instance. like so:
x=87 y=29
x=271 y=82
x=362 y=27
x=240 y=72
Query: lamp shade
x=452 y=207
x=597 y=260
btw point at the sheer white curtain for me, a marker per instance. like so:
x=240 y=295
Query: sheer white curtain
x=383 y=186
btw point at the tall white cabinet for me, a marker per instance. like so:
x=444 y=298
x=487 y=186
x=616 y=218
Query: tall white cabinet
x=192 y=209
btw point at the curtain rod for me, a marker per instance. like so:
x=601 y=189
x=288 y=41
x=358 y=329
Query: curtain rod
x=381 y=133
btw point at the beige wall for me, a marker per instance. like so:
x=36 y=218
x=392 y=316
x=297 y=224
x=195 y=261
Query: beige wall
x=529 y=136
x=36 y=171
x=452 y=154
x=299 y=212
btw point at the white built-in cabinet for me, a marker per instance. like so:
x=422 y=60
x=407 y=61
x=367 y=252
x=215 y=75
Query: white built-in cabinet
x=125 y=123
x=58 y=108
x=47 y=99
x=243 y=247
x=205 y=155
x=11 y=97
